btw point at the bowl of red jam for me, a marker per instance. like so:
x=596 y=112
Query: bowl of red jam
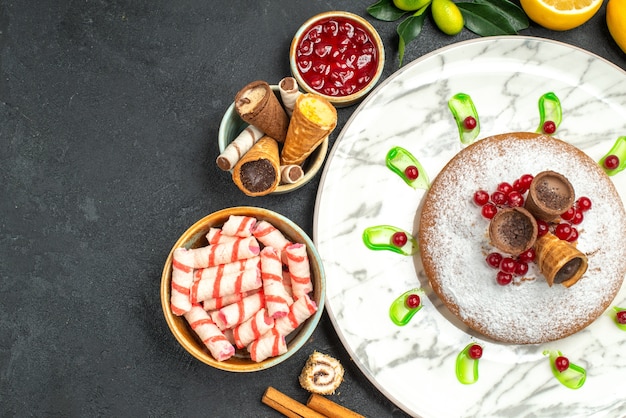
x=338 y=55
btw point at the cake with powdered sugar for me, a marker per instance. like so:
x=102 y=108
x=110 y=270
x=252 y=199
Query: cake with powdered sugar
x=455 y=246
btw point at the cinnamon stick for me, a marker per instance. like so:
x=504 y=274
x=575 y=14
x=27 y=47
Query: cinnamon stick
x=329 y=408
x=287 y=406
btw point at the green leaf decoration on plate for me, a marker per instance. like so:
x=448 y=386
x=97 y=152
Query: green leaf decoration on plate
x=466 y=365
x=620 y=325
x=404 y=164
x=381 y=237
x=614 y=161
x=462 y=107
x=549 y=111
x=405 y=306
x=572 y=377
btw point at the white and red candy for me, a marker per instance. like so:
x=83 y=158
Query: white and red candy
x=251 y=285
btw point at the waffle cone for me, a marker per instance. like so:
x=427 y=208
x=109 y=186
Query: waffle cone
x=313 y=119
x=257 y=104
x=257 y=173
x=559 y=261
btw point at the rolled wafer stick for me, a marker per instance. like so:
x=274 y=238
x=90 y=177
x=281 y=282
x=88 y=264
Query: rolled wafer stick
x=258 y=172
x=290 y=174
x=313 y=119
x=321 y=374
x=257 y=104
x=287 y=282
x=216 y=236
x=227 y=269
x=219 y=302
x=228 y=252
x=270 y=344
x=287 y=406
x=252 y=328
x=182 y=281
x=239 y=226
x=220 y=286
x=289 y=93
x=329 y=408
x=299 y=311
x=277 y=300
x=217 y=343
x=268 y=235
x=236 y=149
x=299 y=269
x=239 y=312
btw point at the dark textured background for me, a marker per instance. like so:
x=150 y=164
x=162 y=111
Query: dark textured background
x=109 y=112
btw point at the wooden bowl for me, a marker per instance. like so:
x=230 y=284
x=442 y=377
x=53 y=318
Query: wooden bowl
x=194 y=237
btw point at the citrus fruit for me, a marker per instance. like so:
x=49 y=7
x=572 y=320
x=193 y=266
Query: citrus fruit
x=447 y=16
x=616 y=21
x=560 y=14
x=410 y=5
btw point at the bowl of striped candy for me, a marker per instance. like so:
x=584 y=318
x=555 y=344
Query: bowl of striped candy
x=243 y=289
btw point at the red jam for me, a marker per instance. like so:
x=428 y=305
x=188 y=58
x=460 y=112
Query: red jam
x=336 y=57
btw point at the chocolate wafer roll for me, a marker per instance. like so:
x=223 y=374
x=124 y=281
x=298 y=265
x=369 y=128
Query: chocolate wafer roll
x=257 y=104
x=258 y=172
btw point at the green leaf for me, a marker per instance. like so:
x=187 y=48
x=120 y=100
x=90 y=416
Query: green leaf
x=410 y=29
x=514 y=14
x=385 y=10
x=485 y=20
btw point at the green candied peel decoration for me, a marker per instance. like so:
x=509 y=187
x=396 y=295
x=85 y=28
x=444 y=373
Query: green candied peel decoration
x=380 y=237
x=462 y=106
x=618 y=150
x=549 y=111
x=466 y=366
x=399 y=160
x=402 y=309
x=619 y=325
x=573 y=377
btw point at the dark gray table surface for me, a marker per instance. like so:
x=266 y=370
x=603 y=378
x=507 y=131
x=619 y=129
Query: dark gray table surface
x=109 y=113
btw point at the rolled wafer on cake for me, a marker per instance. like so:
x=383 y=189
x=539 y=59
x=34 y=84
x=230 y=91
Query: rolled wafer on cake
x=257 y=173
x=313 y=119
x=257 y=104
x=559 y=261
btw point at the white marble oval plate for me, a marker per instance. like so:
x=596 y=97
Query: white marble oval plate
x=414 y=365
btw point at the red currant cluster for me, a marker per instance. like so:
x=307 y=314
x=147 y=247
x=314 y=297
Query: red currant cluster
x=506 y=195
x=508 y=267
x=566 y=229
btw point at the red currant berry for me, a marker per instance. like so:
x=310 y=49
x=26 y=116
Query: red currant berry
x=505 y=187
x=498 y=198
x=412 y=301
x=573 y=236
x=411 y=172
x=621 y=317
x=399 y=239
x=525 y=180
x=507 y=265
x=504 y=278
x=469 y=123
x=494 y=260
x=521 y=268
x=515 y=199
x=542 y=228
x=475 y=352
x=517 y=186
x=578 y=218
x=563 y=231
x=549 y=127
x=489 y=210
x=527 y=256
x=568 y=214
x=561 y=363
x=611 y=162
x=481 y=197
x=583 y=203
